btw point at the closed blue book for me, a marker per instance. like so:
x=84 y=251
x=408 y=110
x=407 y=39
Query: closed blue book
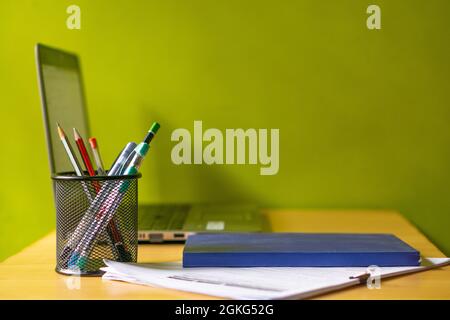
x=297 y=250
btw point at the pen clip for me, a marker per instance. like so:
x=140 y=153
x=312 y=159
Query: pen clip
x=362 y=278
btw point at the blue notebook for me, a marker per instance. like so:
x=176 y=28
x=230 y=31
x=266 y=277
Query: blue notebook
x=297 y=250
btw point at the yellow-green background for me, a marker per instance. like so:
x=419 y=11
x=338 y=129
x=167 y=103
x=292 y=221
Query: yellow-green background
x=363 y=115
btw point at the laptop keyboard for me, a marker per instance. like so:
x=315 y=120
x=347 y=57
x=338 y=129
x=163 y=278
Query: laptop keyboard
x=165 y=217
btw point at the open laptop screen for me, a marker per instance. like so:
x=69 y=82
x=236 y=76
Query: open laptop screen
x=62 y=101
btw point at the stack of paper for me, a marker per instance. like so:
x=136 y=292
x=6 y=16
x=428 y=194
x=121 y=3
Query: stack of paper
x=254 y=283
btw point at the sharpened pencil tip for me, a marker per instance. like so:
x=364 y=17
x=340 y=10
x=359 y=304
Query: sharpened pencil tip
x=76 y=134
x=60 y=132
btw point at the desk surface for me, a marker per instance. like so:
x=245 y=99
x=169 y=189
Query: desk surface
x=30 y=273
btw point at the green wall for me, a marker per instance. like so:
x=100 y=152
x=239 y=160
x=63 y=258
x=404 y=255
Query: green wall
x=363 y=115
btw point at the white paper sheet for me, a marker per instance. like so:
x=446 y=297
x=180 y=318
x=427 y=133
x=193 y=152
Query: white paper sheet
x=248 y=283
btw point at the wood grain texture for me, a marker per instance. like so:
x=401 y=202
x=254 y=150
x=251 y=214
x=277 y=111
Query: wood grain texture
x=30 y=273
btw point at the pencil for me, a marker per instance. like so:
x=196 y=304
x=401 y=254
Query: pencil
x=98 y=160
x=73 y=159
x=84 y=154
x=79 y=172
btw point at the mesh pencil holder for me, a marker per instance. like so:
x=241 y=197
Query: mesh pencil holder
x=96 y=219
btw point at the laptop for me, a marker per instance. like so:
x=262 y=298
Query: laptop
x=62 y=98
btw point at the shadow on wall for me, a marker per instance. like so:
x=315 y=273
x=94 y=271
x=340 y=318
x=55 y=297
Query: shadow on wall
x=187 y=183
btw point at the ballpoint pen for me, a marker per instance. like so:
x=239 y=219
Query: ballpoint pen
x=147 y=139
x=121 y=159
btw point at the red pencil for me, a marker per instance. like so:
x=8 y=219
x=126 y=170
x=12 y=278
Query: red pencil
x=84 y=154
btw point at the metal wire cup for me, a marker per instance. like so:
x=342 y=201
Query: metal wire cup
x=96 y=219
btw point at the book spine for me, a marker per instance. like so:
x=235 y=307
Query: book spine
x=279 y=259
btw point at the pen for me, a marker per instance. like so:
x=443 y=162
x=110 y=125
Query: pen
x=151 y=132
x=98 y=160
x=121 y=158
x=147 y=139
x=139 y=154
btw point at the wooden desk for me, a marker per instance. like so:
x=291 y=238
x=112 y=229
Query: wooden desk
x=30 y=273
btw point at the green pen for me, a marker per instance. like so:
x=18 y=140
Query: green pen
x=141 y=150
x=147 y=139
x=133 y=168
x=151 y=132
